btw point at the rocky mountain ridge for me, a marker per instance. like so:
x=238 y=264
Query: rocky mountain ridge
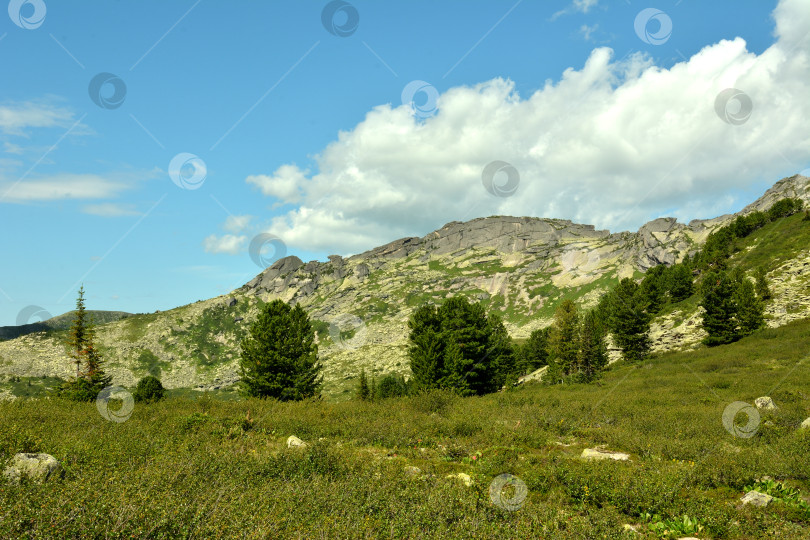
x=519 y=266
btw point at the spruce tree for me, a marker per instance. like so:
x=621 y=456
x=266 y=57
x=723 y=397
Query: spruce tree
x=534 y=353
x=750 y=312
x=681 y=286
x=763 y=291
x=279 y=357
x=630 y=321
x=719 y=319
x=362 y=386
x=593 y=355
x=563 y=340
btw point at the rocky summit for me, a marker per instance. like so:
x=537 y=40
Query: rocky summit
x=520 y=266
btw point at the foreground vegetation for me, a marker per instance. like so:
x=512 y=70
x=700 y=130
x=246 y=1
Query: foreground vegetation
x=208 y=468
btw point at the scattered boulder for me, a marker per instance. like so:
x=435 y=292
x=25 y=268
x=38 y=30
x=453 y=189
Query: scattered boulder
x=39 y=468
x=465 y=478
x=765 y=403
x=410 y=470
x=805 y=424
x=232 y=302
x=756 y=498
x=596 y=453
x=295 y=442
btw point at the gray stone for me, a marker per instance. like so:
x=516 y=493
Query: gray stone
x=765 y=403
x=596 y=453
x=756 y=498
x=410 y=470
x=805 y=424
x=295 y=442
x=38 y=468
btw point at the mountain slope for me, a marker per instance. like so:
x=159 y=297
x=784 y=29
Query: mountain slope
x=521 y=267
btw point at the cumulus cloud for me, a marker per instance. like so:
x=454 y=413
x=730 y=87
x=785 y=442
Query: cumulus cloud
x=230 y=244
x=236 y=224
x=70 y=186
x=613 y=143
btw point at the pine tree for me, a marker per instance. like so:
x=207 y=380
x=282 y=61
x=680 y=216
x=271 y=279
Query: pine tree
x=630 y=321
x=681 y=286
x=763 y=291
x=534 y=353
x=90 y=376
x=563 y=340
x=362 y=386
x=593 y=351
x=279 y=357
x=750 y=312
x=719 y=319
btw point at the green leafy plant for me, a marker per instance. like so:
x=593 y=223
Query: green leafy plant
x=672 y=528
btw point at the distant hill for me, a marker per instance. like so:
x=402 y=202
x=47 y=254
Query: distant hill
x=518 y=267
x=60 y=322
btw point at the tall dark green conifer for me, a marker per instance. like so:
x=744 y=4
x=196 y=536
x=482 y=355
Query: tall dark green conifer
x=563 y=341
x=750 y=312
x=279 y=357
x=719 y=319
x=629 y=320
x=593 y=355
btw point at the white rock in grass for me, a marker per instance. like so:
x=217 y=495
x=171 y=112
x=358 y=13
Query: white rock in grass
x=465 y=478
x=295 y=442
x=596 y=453
x=37 y=467
x=805 y=424
x=410 y=470
x=756 y=498
x=765 y=403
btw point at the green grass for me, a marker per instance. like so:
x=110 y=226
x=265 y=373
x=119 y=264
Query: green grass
x=210 y=468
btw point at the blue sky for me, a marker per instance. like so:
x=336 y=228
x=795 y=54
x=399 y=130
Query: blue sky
x=303 y=134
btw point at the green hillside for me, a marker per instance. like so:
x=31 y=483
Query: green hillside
x=211 y=468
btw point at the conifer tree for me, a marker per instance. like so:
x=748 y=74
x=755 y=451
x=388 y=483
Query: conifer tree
x=279 y=357
x=593 y=355
x=763 y=291
x=750 y=312
x=629 y=320
x=681 y=286
x=362 y=386
x=719 y=319
x=563 y=340
x=90 y=376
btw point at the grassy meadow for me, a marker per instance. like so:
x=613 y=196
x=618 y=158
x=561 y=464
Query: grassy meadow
x=214 y=468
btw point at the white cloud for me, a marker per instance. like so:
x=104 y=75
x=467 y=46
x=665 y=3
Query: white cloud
x=16 y=117
x=587 y=31
x=70 y=186
x=228 y=243
x=237 y=224
x=110 y=210
x=613 y=144
x=584 y=5
x=285 y=184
